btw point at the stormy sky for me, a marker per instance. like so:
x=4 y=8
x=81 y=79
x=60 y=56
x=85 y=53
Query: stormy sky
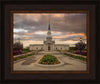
x=66 y=28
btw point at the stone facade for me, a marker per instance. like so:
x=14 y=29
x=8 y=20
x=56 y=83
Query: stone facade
x=49 y=44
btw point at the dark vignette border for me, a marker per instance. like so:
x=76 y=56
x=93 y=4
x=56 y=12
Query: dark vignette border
x=3 y=35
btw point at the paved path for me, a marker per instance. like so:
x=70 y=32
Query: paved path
x=70 y=64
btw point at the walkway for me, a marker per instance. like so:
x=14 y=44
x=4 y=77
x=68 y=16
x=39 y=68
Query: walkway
x=70 y=64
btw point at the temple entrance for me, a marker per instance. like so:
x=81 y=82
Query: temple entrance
x=48 y=48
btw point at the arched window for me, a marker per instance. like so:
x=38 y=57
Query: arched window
x=48 y=48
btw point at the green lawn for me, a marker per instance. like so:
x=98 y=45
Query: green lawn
x=21 y=57
x=76 y=57
x=25 y=50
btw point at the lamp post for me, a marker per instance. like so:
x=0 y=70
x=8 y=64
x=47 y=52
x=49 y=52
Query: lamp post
x=80 y=45
x=80 y=39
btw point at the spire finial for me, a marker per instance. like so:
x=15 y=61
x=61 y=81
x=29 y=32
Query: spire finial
x=49 y=20
x=49 y=25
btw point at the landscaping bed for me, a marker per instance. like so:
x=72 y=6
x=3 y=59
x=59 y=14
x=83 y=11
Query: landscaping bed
x=84 y=53
x=76 y=57
x=49 y=59
x=19 y=52
x=21 y=57
x=81 y=53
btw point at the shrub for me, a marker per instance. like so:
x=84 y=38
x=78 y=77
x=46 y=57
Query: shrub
x=72 y=48
x=16 y=52
x=77 y=52
x=17 y=46
x=83 y=52
x=80 y=46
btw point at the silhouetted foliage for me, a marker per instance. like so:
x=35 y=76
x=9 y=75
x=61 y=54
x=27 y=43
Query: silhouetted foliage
x=17 y=46
x=80 y=46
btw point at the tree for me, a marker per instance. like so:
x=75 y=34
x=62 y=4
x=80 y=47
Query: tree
x=80 y=46
x=17 y=46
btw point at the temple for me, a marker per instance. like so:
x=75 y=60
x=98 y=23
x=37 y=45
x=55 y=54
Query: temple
x=49 y=44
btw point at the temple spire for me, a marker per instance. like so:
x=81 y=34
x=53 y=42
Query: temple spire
x=49 y=32
x=49 y=25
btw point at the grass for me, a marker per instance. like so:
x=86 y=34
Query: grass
x=49 y=59
x=76 y=57
x=72 y=51
x=21 y=57
x=25 y=50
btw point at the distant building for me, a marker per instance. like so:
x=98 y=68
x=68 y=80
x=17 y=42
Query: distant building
x=49 y=44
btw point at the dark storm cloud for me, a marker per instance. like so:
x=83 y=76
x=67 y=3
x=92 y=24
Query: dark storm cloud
x=69 y=22
x=72 y=23
x=25 y=23
x=30 y=24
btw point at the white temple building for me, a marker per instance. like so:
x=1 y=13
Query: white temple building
x=49 y=44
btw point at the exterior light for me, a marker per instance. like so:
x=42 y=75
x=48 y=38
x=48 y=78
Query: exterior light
x=80 y=39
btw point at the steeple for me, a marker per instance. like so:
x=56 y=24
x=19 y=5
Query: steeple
x=49 y=37
x=49 y=25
